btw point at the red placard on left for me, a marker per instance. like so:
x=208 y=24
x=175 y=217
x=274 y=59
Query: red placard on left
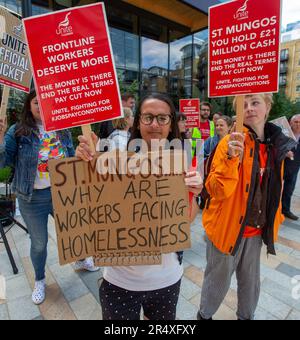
x=73 y=67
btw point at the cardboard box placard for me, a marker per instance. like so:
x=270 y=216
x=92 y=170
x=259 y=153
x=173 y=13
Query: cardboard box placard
x=284 y=124
x=113 y=216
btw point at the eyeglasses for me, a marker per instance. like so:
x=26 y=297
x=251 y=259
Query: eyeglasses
x=162 y=120
x=205 y=110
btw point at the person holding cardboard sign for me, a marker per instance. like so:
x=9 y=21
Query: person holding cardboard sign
x=28 y=148
x=243 y=211
x=125 y=290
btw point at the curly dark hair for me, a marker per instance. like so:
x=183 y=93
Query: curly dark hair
x=174 y=133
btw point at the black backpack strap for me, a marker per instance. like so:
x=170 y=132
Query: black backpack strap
x=204 y=194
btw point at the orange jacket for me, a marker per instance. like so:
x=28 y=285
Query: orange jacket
x=229 y=184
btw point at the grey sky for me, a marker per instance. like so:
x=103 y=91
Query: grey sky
x=290 y=11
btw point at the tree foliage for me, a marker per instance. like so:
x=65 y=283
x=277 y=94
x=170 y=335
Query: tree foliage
x=283 y=106
x=5 y=174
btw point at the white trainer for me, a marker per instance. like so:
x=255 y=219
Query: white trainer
x=87 y=264
x=39 y=292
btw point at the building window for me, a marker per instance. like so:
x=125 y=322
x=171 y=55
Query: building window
x=155 y=57
x=284 y=54
x=126 y=78
x=38 y=10
x=13 y=5
x=283 y=67
x=68 y=3
x=282 y=80
x=126 y=49
x=180 y=67
x=298 y=88
x=200 y=76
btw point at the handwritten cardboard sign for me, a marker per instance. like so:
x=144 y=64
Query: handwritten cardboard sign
x=123 y=218
x=284 y=124
x=73 y=67
x=14 y=55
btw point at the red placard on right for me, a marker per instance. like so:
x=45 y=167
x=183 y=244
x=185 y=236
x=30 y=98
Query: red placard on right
x=244 y=47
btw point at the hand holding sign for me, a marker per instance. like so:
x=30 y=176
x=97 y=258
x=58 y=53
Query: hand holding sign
x=194 y=182
x=236 y=145
x=84 y=151
x=290 y=155
x=88 y=134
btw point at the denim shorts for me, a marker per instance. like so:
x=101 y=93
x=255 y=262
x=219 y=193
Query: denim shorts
x=121 y=304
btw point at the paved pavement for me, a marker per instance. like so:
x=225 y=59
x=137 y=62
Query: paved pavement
x=72 y=296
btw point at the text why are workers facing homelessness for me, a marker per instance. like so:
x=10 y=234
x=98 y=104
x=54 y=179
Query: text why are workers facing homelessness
x=113 y=214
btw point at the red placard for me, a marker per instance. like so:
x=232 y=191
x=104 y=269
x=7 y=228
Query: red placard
x=191 y=109
x=244 y=43
x=73 y=67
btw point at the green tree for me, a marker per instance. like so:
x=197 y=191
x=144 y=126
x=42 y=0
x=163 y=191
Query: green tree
x=223 y=105
x=133 y=87
x=5 y=174
x=283 y=106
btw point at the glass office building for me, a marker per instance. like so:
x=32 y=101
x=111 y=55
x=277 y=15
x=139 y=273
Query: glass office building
x=159 y=45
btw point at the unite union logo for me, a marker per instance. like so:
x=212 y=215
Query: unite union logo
x=64 y=28
x=18 y=30
x=242 y=12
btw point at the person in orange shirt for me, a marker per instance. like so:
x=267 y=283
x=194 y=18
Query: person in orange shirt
x=243 y=210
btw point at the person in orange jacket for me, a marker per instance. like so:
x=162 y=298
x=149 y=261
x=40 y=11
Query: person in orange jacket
x=244 y=208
